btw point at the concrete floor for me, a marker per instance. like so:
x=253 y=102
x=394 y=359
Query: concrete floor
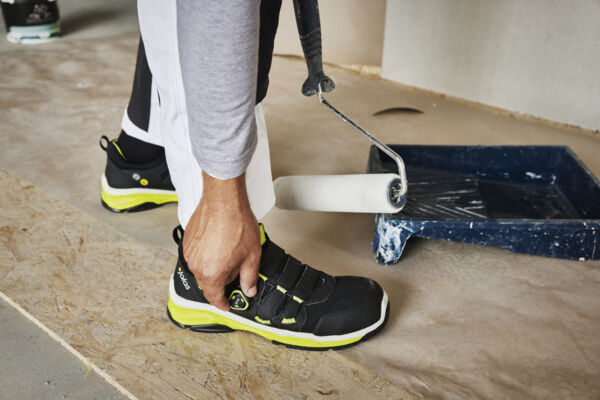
x=339 y=244
x=35 y=366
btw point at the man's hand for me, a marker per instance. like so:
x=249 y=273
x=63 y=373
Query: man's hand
x=222 y=240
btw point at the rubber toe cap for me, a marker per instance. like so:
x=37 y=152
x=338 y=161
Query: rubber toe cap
x=355 y=304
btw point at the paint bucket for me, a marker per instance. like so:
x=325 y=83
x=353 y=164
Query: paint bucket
x=31 y=21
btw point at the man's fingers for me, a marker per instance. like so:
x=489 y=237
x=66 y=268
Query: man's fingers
x=215 y=294
x=249 y=276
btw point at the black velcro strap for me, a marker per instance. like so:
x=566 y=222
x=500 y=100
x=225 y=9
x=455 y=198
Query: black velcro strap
x=291 y=308
x=271 y=259
x=270 y=304
x=290 y=274
x=306 y=283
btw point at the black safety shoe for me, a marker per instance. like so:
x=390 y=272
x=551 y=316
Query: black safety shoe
x=128 y=187
x=295 y=305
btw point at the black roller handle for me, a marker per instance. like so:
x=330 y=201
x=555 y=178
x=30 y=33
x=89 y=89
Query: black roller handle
x=309 y=29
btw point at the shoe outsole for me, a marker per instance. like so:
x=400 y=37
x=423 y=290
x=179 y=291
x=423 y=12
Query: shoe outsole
x=127 y=200
x=223 y=329
x=137 y=208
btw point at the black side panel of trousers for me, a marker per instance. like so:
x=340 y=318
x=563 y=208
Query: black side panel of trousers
x=138 y=109
x=269 y=20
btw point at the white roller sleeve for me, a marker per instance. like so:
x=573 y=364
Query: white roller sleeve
x=364 y=193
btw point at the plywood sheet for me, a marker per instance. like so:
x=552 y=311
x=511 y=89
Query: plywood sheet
x=105 y=295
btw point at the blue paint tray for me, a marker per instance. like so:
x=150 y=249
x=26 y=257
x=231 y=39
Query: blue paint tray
x=539 y=200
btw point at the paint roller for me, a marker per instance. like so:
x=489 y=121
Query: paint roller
x=363 y=193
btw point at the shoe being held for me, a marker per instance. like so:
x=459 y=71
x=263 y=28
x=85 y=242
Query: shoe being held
x=295 y=305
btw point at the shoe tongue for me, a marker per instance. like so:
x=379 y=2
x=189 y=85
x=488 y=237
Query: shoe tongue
x=263 y=235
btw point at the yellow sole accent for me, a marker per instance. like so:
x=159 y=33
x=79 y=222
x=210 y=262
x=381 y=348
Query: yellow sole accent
x=191 y=317
x=123 y=202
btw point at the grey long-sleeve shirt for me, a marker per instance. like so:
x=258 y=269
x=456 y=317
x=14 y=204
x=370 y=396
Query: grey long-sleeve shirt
x=218 y=51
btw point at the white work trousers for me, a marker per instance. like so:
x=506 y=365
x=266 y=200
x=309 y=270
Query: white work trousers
x=168 y=120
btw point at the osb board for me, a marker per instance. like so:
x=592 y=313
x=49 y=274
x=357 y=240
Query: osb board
x=105 y=295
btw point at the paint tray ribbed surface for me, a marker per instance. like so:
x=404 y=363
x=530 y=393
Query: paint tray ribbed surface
x=539 y=200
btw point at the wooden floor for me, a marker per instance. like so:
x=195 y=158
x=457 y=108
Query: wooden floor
x=105 y=295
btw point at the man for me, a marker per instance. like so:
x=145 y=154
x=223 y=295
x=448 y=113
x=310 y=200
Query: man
x=202 y=66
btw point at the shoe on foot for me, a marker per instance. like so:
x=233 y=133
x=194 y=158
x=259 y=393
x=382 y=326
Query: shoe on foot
x=129 y=187
x=295 y=305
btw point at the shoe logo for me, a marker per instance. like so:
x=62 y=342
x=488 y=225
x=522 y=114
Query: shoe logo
x=186 y=285
x=238 y=301
x=136 y=176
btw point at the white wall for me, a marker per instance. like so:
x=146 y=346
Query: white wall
x=538 y=57
x=352 y=31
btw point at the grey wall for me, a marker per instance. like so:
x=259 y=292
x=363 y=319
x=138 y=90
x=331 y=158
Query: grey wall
x=538 y=57
x=352 y=31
